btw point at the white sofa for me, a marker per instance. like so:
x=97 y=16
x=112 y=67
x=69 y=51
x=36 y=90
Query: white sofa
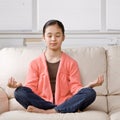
x=92 y=62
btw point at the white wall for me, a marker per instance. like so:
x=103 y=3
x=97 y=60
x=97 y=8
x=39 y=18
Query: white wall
x=87 y=22
x=15 y=15
x=76 y=15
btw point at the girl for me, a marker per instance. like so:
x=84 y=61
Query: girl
x=53 y=82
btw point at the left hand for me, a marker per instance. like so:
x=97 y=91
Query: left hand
x=98 y=82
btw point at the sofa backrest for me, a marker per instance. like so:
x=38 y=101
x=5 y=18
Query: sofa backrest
x=14 y=62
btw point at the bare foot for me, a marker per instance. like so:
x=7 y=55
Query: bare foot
x=37 y=110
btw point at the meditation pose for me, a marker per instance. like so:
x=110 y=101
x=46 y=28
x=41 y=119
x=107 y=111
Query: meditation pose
x=53 y=83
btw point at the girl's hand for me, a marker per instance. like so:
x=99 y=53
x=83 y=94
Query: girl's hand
x=98 y=82
x=13 y=84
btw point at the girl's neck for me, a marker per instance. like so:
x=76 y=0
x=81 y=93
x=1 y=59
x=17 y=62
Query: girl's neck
x=52 y=56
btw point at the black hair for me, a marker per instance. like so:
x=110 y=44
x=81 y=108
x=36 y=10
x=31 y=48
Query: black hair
x=53 y=22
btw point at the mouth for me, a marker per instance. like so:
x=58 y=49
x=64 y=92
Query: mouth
x=53 y=44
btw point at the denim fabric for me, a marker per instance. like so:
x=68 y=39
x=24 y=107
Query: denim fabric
x=79 y=101
x=26 y=97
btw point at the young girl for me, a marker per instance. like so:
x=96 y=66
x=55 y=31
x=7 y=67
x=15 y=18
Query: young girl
x=53 y=82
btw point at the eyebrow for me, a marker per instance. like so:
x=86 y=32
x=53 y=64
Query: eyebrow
x=55 y=33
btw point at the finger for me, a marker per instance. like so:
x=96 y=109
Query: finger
x=13 y=79
x=101 y=80
x=9 y=81
x=102 y=77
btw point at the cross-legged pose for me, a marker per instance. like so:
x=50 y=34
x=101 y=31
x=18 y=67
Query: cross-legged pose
x=53 y=83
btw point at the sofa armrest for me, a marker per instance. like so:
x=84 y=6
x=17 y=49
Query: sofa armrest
x=3 y=101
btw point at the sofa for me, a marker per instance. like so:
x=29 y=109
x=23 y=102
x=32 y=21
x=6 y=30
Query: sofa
x=92 y=62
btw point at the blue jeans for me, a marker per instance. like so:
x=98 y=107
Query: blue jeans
x=79 y=101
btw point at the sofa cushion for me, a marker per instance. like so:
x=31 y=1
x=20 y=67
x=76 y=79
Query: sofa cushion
x=113 y=103
x=100 y=104
x=92 y=62
x=14 y=62
x=113 y=57
x=115 y=115
x=14 y=105
x=88 y=115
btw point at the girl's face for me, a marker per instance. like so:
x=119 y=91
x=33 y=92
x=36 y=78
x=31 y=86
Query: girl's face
x=53 y=37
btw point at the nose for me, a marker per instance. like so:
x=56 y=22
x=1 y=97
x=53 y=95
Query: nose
x=53 y=38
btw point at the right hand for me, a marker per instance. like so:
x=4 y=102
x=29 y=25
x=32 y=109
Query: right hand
x=13 y=84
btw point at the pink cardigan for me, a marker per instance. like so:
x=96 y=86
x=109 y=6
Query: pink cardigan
x=68 y=80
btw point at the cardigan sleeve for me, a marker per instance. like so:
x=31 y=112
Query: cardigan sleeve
x=32 y=77
x=75 y=78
